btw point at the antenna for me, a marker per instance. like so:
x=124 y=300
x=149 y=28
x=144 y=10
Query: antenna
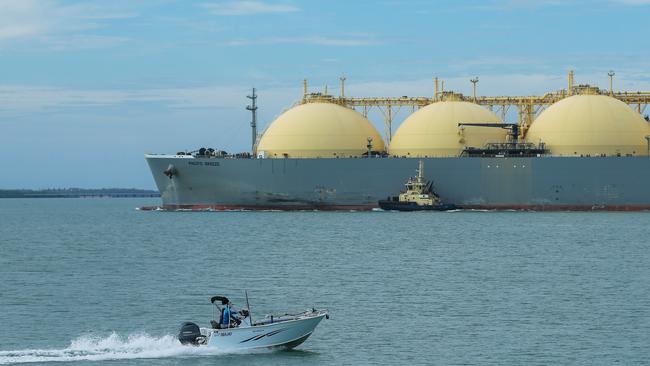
x=253 y=108
x=474 y=81
x=304 y=89
x=437 y=91
x=248 y=305
x=611 y=74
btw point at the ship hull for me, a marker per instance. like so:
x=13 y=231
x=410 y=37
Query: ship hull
x=530 y=183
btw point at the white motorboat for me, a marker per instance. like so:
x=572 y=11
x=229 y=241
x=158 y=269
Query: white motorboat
x=239 y=332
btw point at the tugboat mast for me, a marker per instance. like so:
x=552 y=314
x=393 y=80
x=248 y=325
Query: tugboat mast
x=253 y=108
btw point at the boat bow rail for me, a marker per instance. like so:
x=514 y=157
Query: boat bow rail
x=273 y=319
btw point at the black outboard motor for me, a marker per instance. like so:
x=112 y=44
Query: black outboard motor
x=190 y=334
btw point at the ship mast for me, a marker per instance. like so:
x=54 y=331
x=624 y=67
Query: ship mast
x=253 y=108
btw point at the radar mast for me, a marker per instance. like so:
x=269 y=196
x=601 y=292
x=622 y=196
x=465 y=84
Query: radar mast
x=253 y=108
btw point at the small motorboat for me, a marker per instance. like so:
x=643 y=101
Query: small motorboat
x=236 y=331
x=418 y=196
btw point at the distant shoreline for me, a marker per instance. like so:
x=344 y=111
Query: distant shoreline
x=79 y=193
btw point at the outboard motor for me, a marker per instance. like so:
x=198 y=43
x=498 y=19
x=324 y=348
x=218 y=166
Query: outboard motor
x=190 y=334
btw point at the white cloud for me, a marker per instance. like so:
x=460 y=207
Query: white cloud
x=500 y=84
x=248 y=8
x=632 y=2
x=23 y=18
x=509 y=4
x=507 y=84
x=82 y=42
x=10 y=31
x=18 y=98
x=483 y=61
x=49 y=22
x=312 y=40
x=535 y=3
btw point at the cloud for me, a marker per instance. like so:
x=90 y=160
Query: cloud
x=632 y=2
x=509 y=5
x=512 y=84
x=21 y=99
x=28 y=99
x=535 y=3
x=23 y=18
x=310 y=40
x=482 y=61
x=82 y=42
x=248 y=8
x=51 y=23
x=10 y=31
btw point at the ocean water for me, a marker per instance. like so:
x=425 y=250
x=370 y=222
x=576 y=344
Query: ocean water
x=94 y=281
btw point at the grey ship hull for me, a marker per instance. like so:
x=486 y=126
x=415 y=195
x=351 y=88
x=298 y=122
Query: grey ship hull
x=536 y=183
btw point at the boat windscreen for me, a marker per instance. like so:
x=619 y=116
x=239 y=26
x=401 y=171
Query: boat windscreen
x=224 y=300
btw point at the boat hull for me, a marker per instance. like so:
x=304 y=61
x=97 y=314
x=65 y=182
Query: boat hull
x=287 y=334
x=527 y=183
x=390 y=205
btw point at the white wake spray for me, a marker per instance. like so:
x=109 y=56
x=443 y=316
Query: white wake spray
x=113 y=347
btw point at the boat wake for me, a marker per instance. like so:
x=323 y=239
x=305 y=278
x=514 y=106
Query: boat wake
x=113 y=347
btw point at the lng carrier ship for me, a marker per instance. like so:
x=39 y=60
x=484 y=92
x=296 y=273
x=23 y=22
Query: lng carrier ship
x=580 y=148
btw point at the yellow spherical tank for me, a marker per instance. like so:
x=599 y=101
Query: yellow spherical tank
x=590 y=125
x=433 y=130
x=319 y=130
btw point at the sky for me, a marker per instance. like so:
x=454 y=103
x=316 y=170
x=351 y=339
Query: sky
x=88 y=87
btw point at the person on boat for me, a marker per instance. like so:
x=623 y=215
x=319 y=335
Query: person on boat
x=229 y=317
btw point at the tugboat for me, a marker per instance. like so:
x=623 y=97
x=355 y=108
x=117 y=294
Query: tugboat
x=418 y=196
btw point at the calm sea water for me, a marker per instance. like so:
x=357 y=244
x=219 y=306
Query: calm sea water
x=88 y=280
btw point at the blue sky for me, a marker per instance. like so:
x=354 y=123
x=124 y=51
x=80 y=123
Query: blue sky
x=86 y=88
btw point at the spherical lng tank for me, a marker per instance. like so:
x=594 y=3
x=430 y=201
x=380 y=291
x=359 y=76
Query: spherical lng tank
x=314 y=130
x=433 y=130
x=590 y=125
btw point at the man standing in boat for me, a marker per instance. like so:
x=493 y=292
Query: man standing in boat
x=229 y=314
x=229 y=317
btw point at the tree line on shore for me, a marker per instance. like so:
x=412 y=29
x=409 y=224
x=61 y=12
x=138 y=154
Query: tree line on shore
x=77 y=193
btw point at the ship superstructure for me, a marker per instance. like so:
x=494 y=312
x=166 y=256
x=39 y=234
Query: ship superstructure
x=419 y=190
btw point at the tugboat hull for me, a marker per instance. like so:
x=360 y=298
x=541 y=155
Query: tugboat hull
x=389 y=205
